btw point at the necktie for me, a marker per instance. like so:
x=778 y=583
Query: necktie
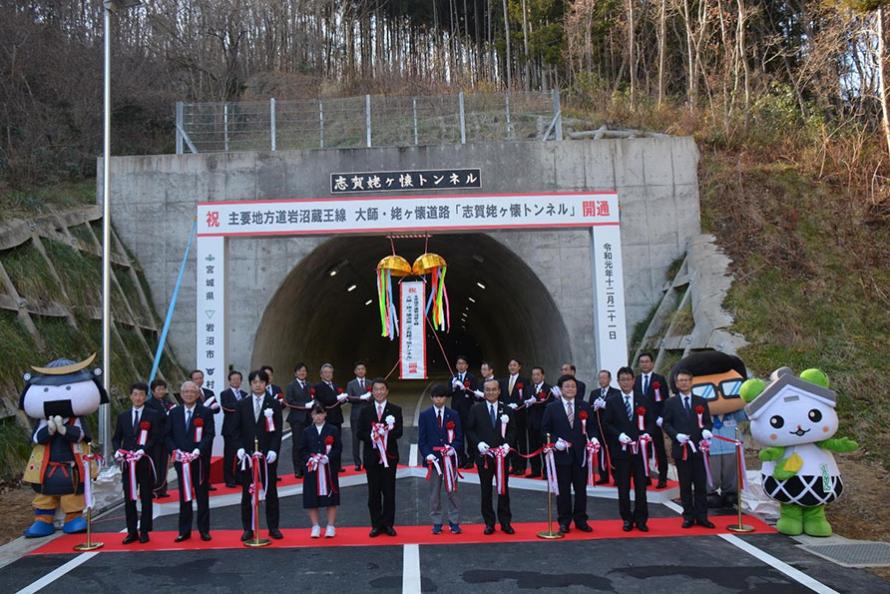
x=188 y=419
x=512 y=383
x=628 y=407
x=491 y=413
x=604 y=392
x=257 y=405
x=439 y=416
x=646 y=384
x=571 y=413
x=686 y=403
x=135 y=418
x=379 y=412
x=361 y=383
x=302 y=385
x=461 y=378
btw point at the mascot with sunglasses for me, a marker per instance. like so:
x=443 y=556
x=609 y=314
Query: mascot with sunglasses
x=718 y=379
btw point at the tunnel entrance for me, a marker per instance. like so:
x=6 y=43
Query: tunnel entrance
x=326 y=309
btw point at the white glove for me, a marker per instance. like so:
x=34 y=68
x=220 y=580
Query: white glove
x=196 y=452
x=309 y=404
x=241 y=454
x=271 y=456
x=561 y=444
x=342 y=397
x=212 y=404
x=431 y=458
x=455 y=383
x=118 y=456
x=682 y=438
x=479 y=394
x=644 y=434
x=51 y=426
x=556 y=391
x=139 y=453
x=60 y=425
x=530 y=402
x=623 y=438
x=366 y=396
x=506 y=448
x=599 y=403
x=659 y=421
x=512 y=406
x=706 y=434
x=482 y=447
x=594 y=440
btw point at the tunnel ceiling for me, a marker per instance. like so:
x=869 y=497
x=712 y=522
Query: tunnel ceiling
x=314 y=318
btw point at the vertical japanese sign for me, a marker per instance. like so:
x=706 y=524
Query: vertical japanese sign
x=210 y=316
x=412 y=334
x=608 y=291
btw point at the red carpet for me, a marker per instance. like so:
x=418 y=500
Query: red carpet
x=358 y=536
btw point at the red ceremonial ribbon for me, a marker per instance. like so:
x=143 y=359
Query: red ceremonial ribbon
x=324 y=483
x=257 y=488
x=87 y=478
x=644 y=440
x=686 y=447
x=380 y=439
x=550 y=463
x=451 y=471
x=705 y=447
x=186 y=459
x=130 y=459
x=592 y=449
x=499 y=456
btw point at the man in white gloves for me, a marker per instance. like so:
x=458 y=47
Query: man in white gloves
x=190 y=431
x=258 y=420
x=598 y=398
x=490 y=425
x=688 y=423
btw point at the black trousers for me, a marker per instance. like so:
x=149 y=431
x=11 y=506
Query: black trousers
x=271 y=502
x=161 y=458
x=230 y=448
x=356 y=442
x=569 y=477
x=202 y=495
x=517 y=462
x=296 y=438
x=535 y=441
x=145 y=486
x=693 y=486
x=486 y=480
x=625 y=469
x=603 y=460
x=381 y=494
x=660 y=453
x=339 y=427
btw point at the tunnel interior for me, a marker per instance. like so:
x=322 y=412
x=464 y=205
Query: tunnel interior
x=326 y=310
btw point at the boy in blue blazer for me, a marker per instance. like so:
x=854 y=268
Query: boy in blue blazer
x=440 y=435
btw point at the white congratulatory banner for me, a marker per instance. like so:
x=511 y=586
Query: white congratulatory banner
x=210 y=318
x=412 y=334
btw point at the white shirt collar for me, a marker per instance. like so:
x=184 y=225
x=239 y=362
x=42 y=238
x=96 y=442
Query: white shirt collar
x=318 y=428
x=439 y=410
x=190 y=408
x=139 y=410
x=380 y=404
x=627 y=394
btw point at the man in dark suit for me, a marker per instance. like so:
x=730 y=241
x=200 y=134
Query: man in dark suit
x=160 y=455
x=359 y=392
x=623 y=416
x=273 y=390
x=190 y=432
x=136 y=432
x=258 y=423
x=208 y=399
x=490 y=426
x=598 y=398
x=570 y=369
x=682 y=424
x=298 y=402
x=463 y=386
x=569 y=422
x=655 y=388
x=333 y=397
x=230 y=398
x=539 y=397
x=515 y=390
x=436 y=442
x=381 y=417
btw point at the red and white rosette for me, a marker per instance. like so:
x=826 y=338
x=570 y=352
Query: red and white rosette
x=186 y=459
x=583 y=416
x=380 y=440
x=641 y=418
x=199 y=428
x=700 y=413
x=144 y=427
x=656 y=387
x=520 y=386
x=504 y=420
x=270 y=421
x=449 y=428
x=550 y=465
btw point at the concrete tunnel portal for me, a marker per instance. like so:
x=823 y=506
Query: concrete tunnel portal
x=314 y=317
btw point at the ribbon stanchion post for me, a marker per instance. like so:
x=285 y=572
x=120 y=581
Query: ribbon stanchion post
x=87 y=459
x=256 y=492
x=549 y=534
x=740 y=469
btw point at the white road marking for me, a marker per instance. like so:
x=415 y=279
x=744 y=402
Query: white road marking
x=412 y=456
x=411 y=569
x=60 y=571
x=795 y=574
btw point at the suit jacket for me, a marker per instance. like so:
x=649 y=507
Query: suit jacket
x=229 y=403
x=367 y=417
x=663 y=391
x=247 y=427
x=582 y=388
x=354 y=390
x=515 y=397
x=313 y=443
x=127 y=437
x=536 y=412
x=328 y=397
x=205 y=393
x=677 y=420
x=295 y=395
x=431 y=436
x=161 y=408
x=610 y=393
x=462 y=399
x=479 y=426
x=180 y=437
x=556 y=423
x=615 y=422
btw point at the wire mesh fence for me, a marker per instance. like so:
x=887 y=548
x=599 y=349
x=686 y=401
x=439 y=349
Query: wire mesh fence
x=368 y=120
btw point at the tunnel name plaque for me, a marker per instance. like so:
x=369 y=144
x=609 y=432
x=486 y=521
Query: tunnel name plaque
x=221 y=221
x=408 y=180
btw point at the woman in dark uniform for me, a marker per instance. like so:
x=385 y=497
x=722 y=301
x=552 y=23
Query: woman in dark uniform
x=320 y=454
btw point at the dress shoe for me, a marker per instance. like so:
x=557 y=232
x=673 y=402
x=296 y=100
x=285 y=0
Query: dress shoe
x=390 y=531
x=143 y=538
x=358 y=467
x=455 y=528
x=507 y=529
x=488 y=530
x=341 y=470
x=246 y=535
x=642 y=527
x=277 y=479
x=627 y=526
x=374 y=533
x=298 y=475
x=205 y=536
x=211 y=488
x=602 y=481
x=437 y=528
x=130 y=538
x=564 y=529
x=585 y=527
x=705 y=523
x=276 y=534
x=163 y=495
x=467 y=465
x=517 y=471
x=231 y=485
x=533 y=475
x=661 y=485
x=182 y=537
x=687 y=524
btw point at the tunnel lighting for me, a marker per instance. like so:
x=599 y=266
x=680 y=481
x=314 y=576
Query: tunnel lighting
x=471 y=300
x=333 y=272
x=480 y=285
x=369 y=302
x=350 y=288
